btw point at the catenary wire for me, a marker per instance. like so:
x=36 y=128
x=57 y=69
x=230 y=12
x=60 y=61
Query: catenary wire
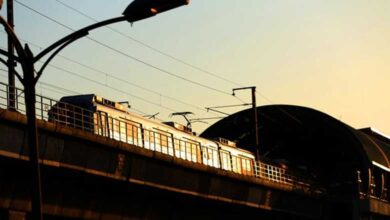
x=162 y=52
x=149 y=46
x=127 y=55
x=150 y=65
x=63 y=91
x=120 y=79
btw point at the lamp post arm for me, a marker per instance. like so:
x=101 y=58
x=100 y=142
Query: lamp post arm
x=4 y=62
x=7 y=54
x=19 y=77
x=39 y=73
x=18 y=46
x=16 y=73
x=77 y=35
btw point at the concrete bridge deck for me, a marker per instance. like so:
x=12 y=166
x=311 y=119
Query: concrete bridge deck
x=86 y=176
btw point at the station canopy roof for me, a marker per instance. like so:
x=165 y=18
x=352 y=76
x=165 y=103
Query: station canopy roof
x=307 y=139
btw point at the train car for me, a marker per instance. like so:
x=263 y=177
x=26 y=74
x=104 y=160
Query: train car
x=113 y=120
x=235 y=159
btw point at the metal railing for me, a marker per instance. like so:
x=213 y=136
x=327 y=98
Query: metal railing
x=374 y=188
x=132 y=133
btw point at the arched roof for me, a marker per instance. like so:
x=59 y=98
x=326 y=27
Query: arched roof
x=307 y=139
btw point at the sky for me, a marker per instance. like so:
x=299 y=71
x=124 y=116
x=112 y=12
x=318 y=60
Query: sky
x=329 y=55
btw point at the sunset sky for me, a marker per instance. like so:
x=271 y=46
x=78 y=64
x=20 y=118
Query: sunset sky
x=330 y=55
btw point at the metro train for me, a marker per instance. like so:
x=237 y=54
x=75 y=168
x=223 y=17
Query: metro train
x=113 y=119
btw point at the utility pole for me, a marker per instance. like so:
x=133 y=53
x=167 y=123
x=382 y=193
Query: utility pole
x=255 y=120
x=11 y=61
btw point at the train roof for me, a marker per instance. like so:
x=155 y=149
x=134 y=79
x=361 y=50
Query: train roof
x=84 y=101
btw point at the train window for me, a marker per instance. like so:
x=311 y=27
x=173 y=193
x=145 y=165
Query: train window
x=170 y=145
x=122 y=131
x=194 y=152
x=205 y=156
x=225 y=156
x=236 y=164
x=149 y=140
x=246 y=166
x=187 y=150
x=136 y=132
x=183 y=149
x=157 y=140
x=215 y=158
x=115 y=129
x=132 y=134
x=210 y=157
x=199 y=154
x=102 y=125
x=129 y=133
x=177 y=148
x=164 y=143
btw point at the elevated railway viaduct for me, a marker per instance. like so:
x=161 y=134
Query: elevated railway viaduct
x=86 y=176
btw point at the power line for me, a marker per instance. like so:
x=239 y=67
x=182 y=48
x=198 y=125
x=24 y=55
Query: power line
x=151 y=47
x=120 y=79
x=160 y=51
x=63 y=91
x=148 y=64
x=49 y=87
x=111 y=87
x=127 y=55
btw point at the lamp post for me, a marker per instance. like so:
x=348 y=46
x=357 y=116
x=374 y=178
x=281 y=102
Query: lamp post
x=137 y=10
x=255 y=121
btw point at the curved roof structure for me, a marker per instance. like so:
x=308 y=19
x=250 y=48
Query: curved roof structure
x=307 y=139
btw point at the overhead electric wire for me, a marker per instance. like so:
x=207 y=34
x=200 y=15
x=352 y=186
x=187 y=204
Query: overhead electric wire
x=150 y=65
x=121 y=79
x=150 y=47
x=63 y=91
x=41 y=83
x=229 y=106
x=153 y=48
x=127 y=55
x=160 y=51
x=111 y=87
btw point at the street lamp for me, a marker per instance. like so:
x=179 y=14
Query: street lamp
x=137 y=10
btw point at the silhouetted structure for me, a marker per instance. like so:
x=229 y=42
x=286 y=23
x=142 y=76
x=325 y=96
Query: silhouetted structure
x=349 y=164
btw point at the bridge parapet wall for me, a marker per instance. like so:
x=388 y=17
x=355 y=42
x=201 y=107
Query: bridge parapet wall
x=83 y=152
